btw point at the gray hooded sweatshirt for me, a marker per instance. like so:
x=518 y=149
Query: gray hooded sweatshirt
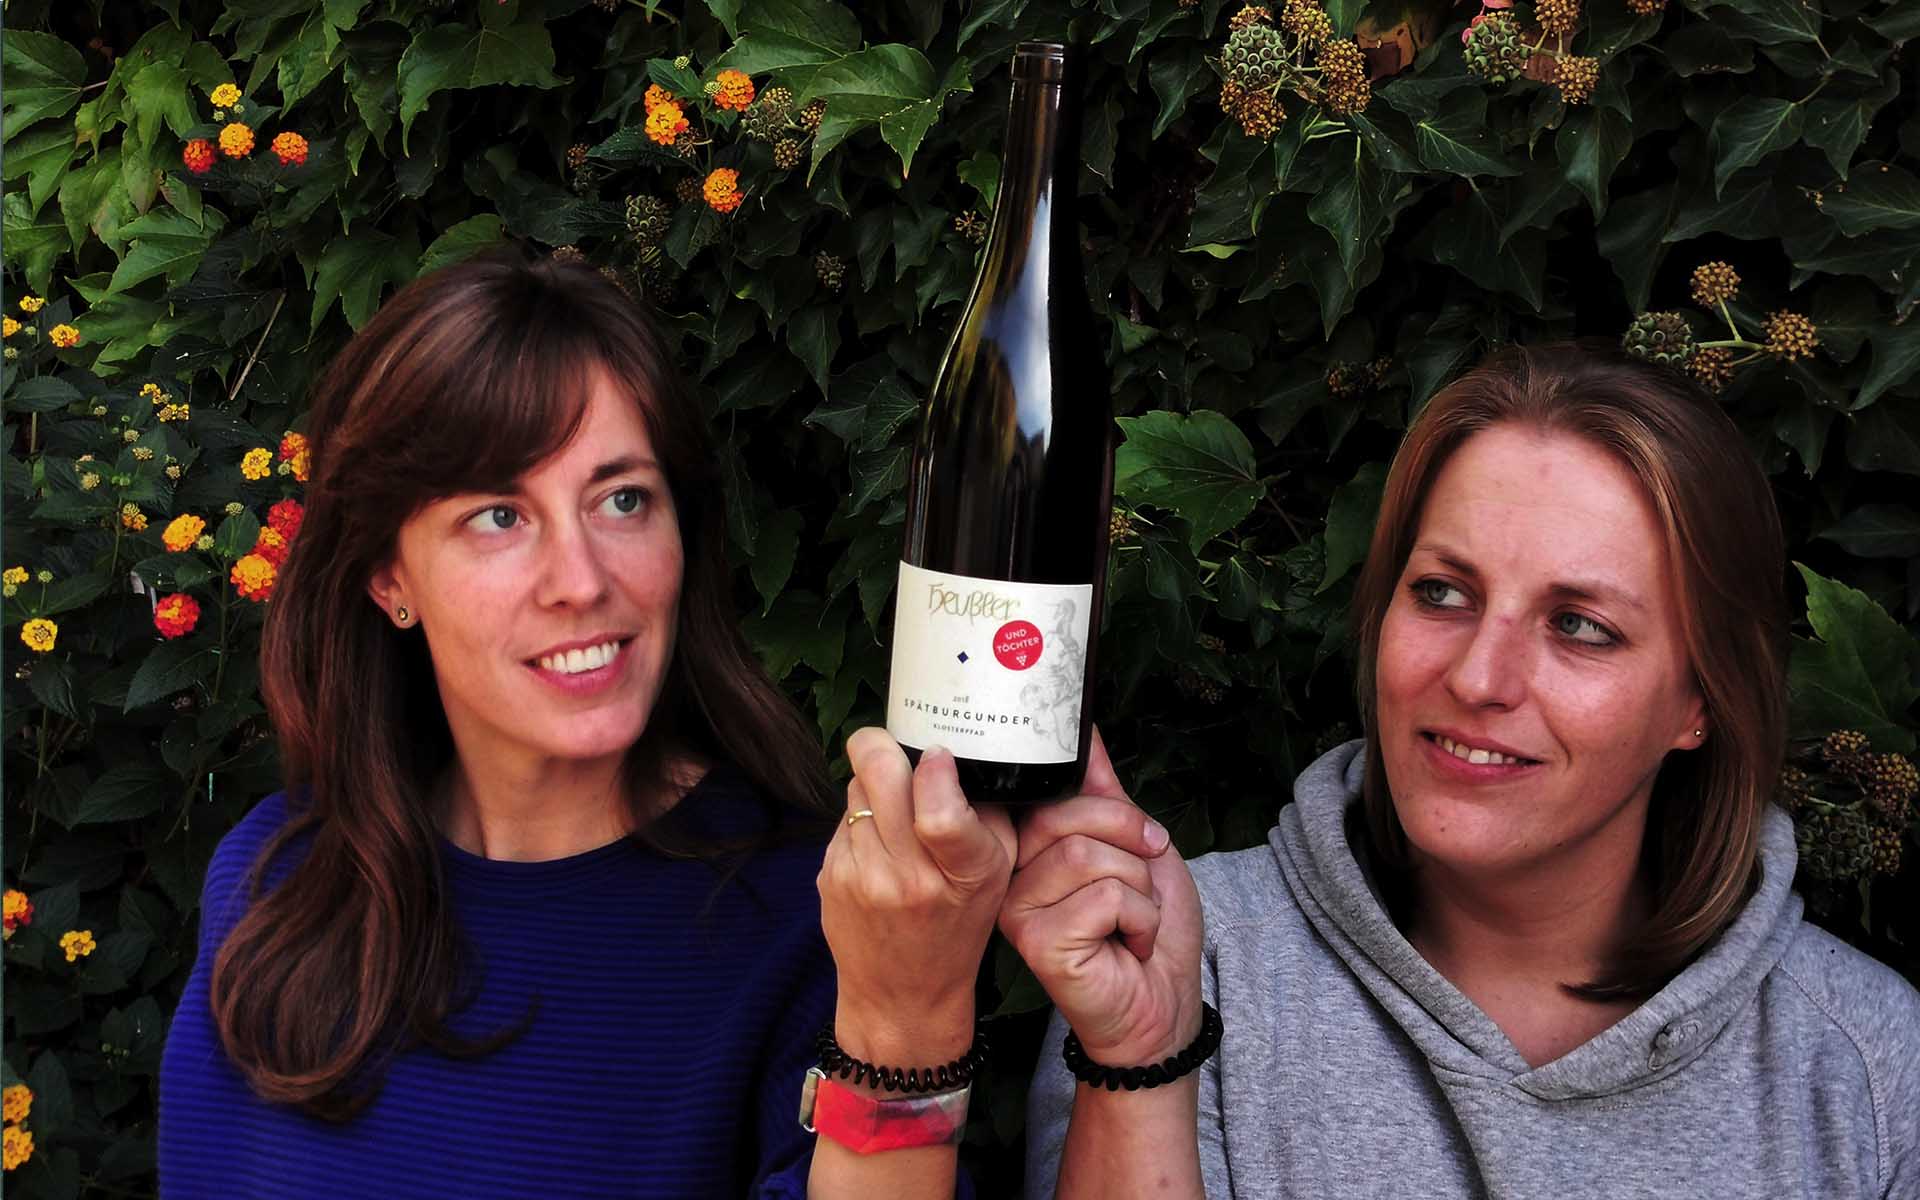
x=1781 y=1062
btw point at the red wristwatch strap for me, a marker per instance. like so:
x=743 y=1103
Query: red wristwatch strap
x=868 y=1124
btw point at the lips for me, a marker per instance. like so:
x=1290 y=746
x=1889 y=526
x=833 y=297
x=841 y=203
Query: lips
x=1478 y=751
x=576 y=658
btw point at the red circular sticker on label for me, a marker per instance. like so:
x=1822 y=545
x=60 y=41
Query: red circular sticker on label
x=1017 y=645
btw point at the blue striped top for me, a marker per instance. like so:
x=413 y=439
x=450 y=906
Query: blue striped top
x=676 y=1021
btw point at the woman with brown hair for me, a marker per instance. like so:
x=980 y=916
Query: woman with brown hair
x=537 y=913
x=1534 y=936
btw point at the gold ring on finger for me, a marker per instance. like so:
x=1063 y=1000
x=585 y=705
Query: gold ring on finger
x=853 y=818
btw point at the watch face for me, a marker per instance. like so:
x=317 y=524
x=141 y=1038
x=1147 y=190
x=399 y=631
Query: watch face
x=809 y=1088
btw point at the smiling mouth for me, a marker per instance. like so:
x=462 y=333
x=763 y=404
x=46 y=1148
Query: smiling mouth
x=1476 y=755
x=580 y=661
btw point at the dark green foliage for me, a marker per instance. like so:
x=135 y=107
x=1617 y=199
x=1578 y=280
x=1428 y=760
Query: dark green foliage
x=1279 y=304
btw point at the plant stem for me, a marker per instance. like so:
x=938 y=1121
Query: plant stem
x=254 y=357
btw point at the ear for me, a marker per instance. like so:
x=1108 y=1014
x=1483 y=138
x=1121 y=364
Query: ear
x=1695 y=714
x=388 y=589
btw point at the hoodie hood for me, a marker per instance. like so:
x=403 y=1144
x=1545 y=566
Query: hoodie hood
x=1657 y=1039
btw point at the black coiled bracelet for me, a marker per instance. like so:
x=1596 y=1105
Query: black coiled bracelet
x=1134 y=1078
x=913 y=1080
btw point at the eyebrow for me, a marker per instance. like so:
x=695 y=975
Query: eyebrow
x=1572 y=589
x=620 y=466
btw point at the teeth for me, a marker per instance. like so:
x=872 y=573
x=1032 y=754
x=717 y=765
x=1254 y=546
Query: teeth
x=1474 y=754
x=573 y=662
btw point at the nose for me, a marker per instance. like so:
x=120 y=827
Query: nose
x=571 y=573
x=1490 y=670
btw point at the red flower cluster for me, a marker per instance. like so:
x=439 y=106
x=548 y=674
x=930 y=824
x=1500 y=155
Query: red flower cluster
x=285 y=518
x=198 y=156
x=176 y=615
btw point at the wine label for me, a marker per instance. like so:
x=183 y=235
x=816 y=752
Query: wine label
x=989 y=669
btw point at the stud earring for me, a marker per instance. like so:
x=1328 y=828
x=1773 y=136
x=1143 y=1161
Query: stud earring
x=403 y=616
x=1699 y=733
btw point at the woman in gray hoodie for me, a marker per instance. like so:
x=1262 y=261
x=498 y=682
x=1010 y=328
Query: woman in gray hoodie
x=1533 y=937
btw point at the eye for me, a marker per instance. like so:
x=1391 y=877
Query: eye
x=1437 y=593
x=625 y=502
x=1584 y=629
x=496 y=519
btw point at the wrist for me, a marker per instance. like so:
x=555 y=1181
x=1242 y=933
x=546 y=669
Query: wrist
x=900 y=1037
x=1154 y=1044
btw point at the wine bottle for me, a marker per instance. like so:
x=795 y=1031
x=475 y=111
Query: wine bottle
x=997 y=614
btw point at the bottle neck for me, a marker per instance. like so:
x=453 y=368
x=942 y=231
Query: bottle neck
x=1034 y=209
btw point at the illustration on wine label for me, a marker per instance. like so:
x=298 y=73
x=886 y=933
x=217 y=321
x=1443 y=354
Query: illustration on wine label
x=997 y=667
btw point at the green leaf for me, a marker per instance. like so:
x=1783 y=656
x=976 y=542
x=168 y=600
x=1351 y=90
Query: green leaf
x=444 y=57
x=1872 y=531
x=44 y=393
x=1350 y=521
x=124 y=793
x=1591 y=145
x=236 y=535
x=164 y=243
x=772 y=563
x=1896 y=357
x=1883 y=439
x=1878 y=196
x=1454 y=138
x=1748 y=130
x=356 y=268
x=172 y=666
x=1352 y=207
x=161 y=93
x=813 y=334
x=800 y=629
x=1198 y=465
x=1769 y=22
x=462 y=241
x=33 y=242
x=42 y=156
x=791 y=39
x=892 y=86
x=1859 y=673
x=43 y=75
x=53 y=686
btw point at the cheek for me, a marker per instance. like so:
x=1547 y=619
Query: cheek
x=1412 y=655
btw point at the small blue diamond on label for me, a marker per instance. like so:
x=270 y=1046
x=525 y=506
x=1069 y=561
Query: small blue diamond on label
x=962 y=656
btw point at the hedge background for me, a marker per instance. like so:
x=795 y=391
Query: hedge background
x=1285 y=279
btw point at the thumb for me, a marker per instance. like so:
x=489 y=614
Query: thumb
x=962 y=845
x=1101 y=780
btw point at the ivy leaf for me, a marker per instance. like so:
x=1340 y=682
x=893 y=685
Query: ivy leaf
x=462 y=241
x=1199 y=465
x=1870 y=531
x=1350 y=521
x=1878 y=196
x=1591 y=146
x=1858 y=672
x=892 y=86
x=354 y=269
x=1748 y=130
x=446 y=57
x=773 y=556
x=1770 y=22
x=1353 y=208
x=791 y=39
x=800 y=629
x=1884 y=440
x=1454 y=138
x=1896 y=356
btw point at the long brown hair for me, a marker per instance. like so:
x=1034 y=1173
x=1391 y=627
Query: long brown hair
x=1728 y=563
x=465 y=380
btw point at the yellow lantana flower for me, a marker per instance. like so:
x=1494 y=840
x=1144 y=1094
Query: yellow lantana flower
x=14 y=575
x=31 y=304
x=78 y=943
x=39 y=634
x=18 y=1145
x=64 y=336
x=8 y=327
x=183 y=531
x=258 y=463
x=15 y=1103
x=225 y=96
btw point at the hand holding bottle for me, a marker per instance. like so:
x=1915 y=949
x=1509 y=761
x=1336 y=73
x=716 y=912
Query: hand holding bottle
x=1103 y=910
x=908 y=897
